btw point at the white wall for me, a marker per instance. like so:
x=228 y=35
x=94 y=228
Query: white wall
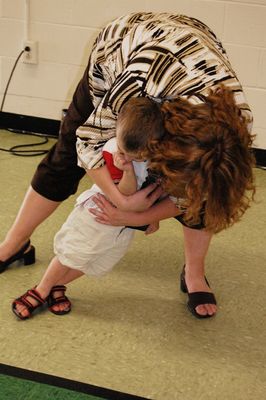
x=65 y=30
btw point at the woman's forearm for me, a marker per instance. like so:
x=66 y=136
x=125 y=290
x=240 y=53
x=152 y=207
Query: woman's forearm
x=108 y=214
x=161 y=210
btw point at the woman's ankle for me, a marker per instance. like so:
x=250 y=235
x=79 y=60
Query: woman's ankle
x=8 y=247
x=194 y=270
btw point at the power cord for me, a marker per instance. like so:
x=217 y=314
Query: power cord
x=10 y=77
x=15 y=149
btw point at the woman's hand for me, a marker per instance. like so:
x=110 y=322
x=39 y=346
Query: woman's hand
x=107 y=213
x=142 y=199
x=110 y=215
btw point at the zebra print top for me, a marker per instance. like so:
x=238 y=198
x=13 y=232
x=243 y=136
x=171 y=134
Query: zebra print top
x=162 y=56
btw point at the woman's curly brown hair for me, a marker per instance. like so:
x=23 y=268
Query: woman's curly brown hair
x=205 y=157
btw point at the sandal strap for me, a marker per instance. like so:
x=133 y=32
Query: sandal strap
x=198 y=298
x=24 y=301
x=58 y=288
x=35 y=295
x=61 y=298
x=58 y=300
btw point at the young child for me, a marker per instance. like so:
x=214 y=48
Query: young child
x=83 y=246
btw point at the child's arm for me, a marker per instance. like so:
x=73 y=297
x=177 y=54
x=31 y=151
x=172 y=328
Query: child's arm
x=128 y=183
x=139 y=201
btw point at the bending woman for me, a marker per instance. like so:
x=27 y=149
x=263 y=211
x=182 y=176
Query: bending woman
x=158 y=56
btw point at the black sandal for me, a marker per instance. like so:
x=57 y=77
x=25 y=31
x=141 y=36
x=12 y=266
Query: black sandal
x=28 y=257
x=52 y=300
x=195 y=299
x=24 y=301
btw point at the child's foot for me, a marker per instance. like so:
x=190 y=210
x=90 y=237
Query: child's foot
x=25 y=305
x=58 y=302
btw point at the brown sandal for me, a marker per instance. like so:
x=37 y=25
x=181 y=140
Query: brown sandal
x=53 y=301
x=24 y=301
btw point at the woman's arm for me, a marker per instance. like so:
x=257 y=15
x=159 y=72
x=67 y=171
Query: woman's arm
x=139 y=201
x=109 y=215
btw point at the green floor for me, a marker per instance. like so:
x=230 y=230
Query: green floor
x=130 y=331
x=12 y=388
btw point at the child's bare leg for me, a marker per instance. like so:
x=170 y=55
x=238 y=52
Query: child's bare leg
x=54 y=275
x=70 y=276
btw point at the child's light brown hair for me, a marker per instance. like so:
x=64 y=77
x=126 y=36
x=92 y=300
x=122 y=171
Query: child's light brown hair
x=139 y=121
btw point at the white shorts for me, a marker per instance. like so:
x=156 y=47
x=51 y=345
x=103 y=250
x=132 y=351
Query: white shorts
x=88 y=246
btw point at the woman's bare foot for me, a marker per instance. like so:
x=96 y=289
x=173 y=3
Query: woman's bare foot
x=197 y=283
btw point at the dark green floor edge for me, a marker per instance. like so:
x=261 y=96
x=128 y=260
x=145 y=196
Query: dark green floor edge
x=21 y=384
x=12 y=388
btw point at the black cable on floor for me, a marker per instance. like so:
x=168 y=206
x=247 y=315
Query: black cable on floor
x=28 y=153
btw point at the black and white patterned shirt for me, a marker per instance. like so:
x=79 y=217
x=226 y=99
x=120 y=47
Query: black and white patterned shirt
x=156 y=55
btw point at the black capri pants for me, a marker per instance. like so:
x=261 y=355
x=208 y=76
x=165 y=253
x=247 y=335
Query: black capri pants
x=58 y=175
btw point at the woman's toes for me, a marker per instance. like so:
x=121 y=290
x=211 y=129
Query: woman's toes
x=202 y=310
x=211 y=309
x=206 y=309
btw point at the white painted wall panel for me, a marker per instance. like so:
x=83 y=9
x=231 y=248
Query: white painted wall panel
x=66 y=29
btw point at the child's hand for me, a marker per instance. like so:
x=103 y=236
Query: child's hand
x=121 y=163
x=152 y=228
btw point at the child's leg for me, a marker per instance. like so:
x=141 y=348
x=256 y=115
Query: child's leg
x=69 y=276
x=54 y=275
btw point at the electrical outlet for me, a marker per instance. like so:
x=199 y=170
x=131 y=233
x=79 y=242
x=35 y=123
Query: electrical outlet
x=30 y=55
